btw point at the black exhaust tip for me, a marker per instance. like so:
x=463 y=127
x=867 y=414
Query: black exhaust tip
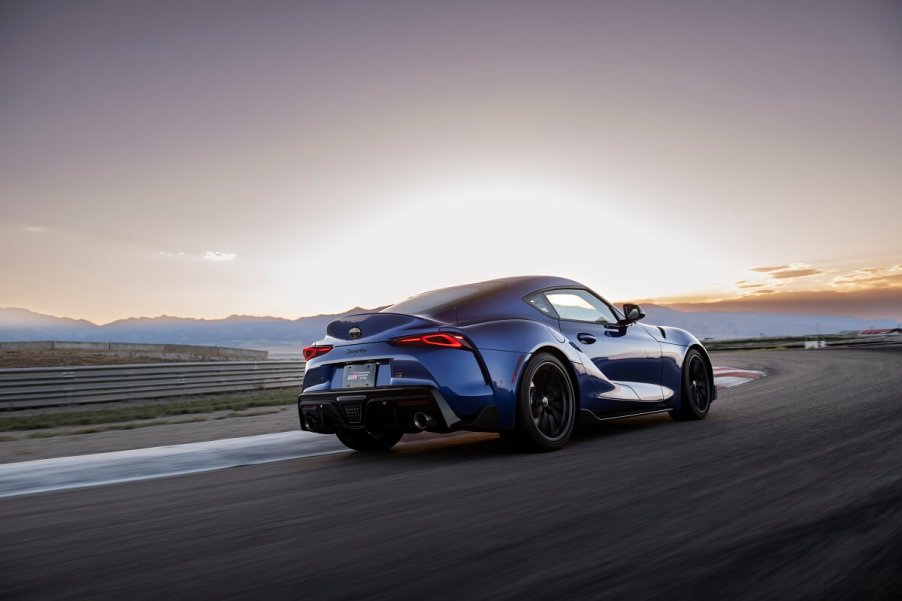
x=422 y=421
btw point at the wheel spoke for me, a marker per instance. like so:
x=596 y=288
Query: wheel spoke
x=550 y=400
x=699 y=383
x=556 y=422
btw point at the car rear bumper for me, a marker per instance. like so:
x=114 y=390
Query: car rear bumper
x=389 y=408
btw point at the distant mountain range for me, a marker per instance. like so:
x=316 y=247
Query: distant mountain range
x=284 y=336
x=241 y=331
x=725 y=325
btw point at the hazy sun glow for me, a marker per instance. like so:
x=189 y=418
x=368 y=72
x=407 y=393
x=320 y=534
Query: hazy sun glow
x=306 y=158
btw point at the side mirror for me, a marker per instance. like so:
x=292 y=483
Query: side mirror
x=632 y=312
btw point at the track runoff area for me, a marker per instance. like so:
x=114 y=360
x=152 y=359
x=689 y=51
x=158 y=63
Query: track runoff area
x=63 y=473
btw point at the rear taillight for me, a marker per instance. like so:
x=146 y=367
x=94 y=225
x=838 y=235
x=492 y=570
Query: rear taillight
x=434 y=339
x=315 y=351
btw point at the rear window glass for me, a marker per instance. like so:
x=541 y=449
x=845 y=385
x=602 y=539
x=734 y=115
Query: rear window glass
x=440 y=300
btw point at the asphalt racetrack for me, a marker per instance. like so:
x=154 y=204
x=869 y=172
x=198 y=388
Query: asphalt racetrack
x=791 y=489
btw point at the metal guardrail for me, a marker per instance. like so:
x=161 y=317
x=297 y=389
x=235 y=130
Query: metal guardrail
x=34 y=387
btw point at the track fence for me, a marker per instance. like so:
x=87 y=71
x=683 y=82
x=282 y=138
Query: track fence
x=34 y=387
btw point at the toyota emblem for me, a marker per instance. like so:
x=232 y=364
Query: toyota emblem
x=354 y=333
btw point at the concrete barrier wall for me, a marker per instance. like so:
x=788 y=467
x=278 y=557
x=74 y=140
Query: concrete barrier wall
x=135 y=347
x=86 y=347
x=822 y=341
x=140 y=350
x=44 y=345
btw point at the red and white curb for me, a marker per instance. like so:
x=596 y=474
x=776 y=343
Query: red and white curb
x=727 y=377
x=62 y=473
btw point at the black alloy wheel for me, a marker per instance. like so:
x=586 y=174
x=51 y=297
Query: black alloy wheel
x=546 y=406
x=696 y=394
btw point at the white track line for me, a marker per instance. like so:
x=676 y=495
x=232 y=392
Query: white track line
x=62 y=473
x=44 y=475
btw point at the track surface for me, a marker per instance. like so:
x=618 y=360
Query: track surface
x=792 y=488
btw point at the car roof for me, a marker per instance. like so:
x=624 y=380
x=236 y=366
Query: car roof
x=524 y=284
x=506 y=302
x=501 y=300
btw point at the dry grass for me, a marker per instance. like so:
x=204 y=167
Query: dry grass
x=130 y=426
x=178 y=406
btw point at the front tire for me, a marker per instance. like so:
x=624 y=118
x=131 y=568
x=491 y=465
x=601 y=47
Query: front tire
x=546 y=406
x=695 y=400
x=368 y=442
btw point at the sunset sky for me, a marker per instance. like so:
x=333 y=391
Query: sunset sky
x=203 y=159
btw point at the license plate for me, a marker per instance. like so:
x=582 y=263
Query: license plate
x=360 y=375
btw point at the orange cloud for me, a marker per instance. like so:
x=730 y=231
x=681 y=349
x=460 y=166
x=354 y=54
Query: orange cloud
x=788 y=272
x=884 y=302
x=857 y=280
x=795 y=273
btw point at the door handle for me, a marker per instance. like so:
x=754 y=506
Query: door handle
x=585 y=338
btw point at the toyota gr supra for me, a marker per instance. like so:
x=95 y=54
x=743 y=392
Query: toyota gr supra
x=527 y=357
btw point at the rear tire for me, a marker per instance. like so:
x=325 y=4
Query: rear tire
x=546 y=406
x=695 y=399
x=368 y=442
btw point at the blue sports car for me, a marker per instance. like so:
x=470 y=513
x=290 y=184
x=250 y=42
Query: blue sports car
x=528 y=357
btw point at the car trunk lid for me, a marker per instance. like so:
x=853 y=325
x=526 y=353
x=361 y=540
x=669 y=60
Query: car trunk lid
x=377 y=327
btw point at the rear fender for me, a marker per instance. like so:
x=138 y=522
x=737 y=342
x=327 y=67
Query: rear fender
x=505 y=347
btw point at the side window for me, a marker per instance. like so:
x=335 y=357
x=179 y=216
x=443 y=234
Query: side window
x=580 y=305
x=541 y=303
